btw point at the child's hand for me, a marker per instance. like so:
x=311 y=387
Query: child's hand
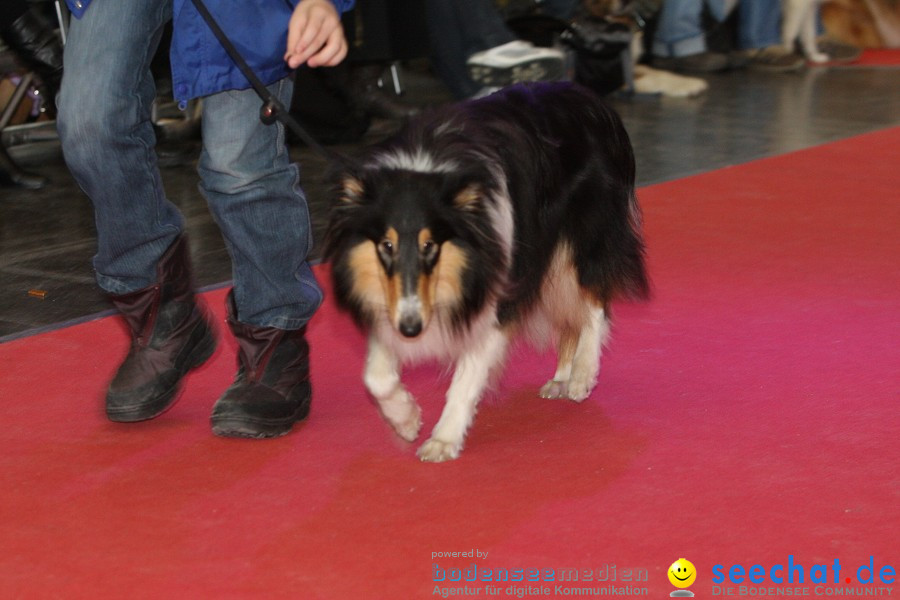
x=315 y=35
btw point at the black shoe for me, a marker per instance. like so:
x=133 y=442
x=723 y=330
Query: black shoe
x=838 y=51
x=370 y=98
x=11 y=175
x=774 y=59
x=170 y=336
x=704 y=62
x=271 y=391
x=516 y=62
x=378 y=103
x=738 y=60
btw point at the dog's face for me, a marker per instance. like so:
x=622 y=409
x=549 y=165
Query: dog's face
x=402 y=248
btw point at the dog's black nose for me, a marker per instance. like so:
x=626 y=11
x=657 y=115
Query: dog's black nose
x=410 y=326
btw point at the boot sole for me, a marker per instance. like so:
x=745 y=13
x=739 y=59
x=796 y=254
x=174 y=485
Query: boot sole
x=250 y=428
x=543 y=69
x=163 y=402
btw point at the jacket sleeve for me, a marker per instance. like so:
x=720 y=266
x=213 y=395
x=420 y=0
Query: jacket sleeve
x=77 y=7
x=341 y=5
x=344 y=5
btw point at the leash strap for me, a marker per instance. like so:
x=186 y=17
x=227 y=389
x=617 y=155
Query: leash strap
x=272 y=109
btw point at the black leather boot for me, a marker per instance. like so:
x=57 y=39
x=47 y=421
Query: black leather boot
x=37 y=45
x=12 y=175
x=170 y=336
x=271 y=391
x=373 y=100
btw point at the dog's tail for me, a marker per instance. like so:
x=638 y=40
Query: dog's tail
x=629 y=273
x=636 y=282
x=612 y=251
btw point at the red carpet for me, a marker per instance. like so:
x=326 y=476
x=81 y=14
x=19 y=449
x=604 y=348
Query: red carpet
x=880 y=57
x=747 y=414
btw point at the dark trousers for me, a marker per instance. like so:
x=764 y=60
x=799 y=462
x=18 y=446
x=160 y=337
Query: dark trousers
x=458 y=29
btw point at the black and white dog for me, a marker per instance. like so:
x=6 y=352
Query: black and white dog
x=512 y=214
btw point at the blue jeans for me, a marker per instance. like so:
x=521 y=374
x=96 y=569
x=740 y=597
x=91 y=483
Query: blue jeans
x=561 y=9
x=759 y=24
x=247 y=178
x=680 y=32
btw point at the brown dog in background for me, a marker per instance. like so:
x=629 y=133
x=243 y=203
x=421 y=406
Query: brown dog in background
x=864 y=23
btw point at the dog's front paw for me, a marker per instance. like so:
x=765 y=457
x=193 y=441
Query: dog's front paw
x=409 y=428
x=573 y=390
x=438 y=451
x=555 y=389
x=818 y=57
x=400 y=409
x=580 y=388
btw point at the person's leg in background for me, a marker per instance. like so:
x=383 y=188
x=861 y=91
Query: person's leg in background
x=12 y=175
x=561 y=9
x=382 y=32
x=495 y=56
x=254 y=194
x=484 y=25
x=679 y=42
x=474 y=51
x=143 y=258
x=449 y=48
x=759 y=37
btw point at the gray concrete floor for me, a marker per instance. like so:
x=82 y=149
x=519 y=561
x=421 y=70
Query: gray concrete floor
x=47 y=236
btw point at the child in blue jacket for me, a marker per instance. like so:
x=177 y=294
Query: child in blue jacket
x=252 y=187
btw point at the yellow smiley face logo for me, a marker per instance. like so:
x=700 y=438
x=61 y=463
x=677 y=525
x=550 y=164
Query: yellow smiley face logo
x=682 y=573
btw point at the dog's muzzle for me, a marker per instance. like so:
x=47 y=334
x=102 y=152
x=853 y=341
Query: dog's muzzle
x=409 y=311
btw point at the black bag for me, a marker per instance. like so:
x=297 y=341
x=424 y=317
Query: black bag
x=602 y=50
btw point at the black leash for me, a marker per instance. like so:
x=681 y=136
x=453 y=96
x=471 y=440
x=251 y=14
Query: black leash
x=272 y=109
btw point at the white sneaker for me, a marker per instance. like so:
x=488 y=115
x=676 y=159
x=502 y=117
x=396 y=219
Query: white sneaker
x=484 y=92
x=516 y=62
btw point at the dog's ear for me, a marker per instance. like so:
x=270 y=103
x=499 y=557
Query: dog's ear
x=351 y=190
x=468 y=197
x=344 y=179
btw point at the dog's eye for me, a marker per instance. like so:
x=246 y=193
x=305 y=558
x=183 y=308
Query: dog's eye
x=428 y=247
x=387 y=247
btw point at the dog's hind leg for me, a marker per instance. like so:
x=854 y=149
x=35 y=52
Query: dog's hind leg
x=470 y=379
x=558 y=386
x=579 y=359
x=382 y=379
x=586 y=362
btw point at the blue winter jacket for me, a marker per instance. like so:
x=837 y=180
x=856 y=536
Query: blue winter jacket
x=200 y=66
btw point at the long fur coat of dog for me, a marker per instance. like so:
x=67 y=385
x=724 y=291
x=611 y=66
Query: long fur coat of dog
x=510 y=215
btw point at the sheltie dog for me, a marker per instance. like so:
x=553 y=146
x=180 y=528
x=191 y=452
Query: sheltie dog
x=512 y=214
